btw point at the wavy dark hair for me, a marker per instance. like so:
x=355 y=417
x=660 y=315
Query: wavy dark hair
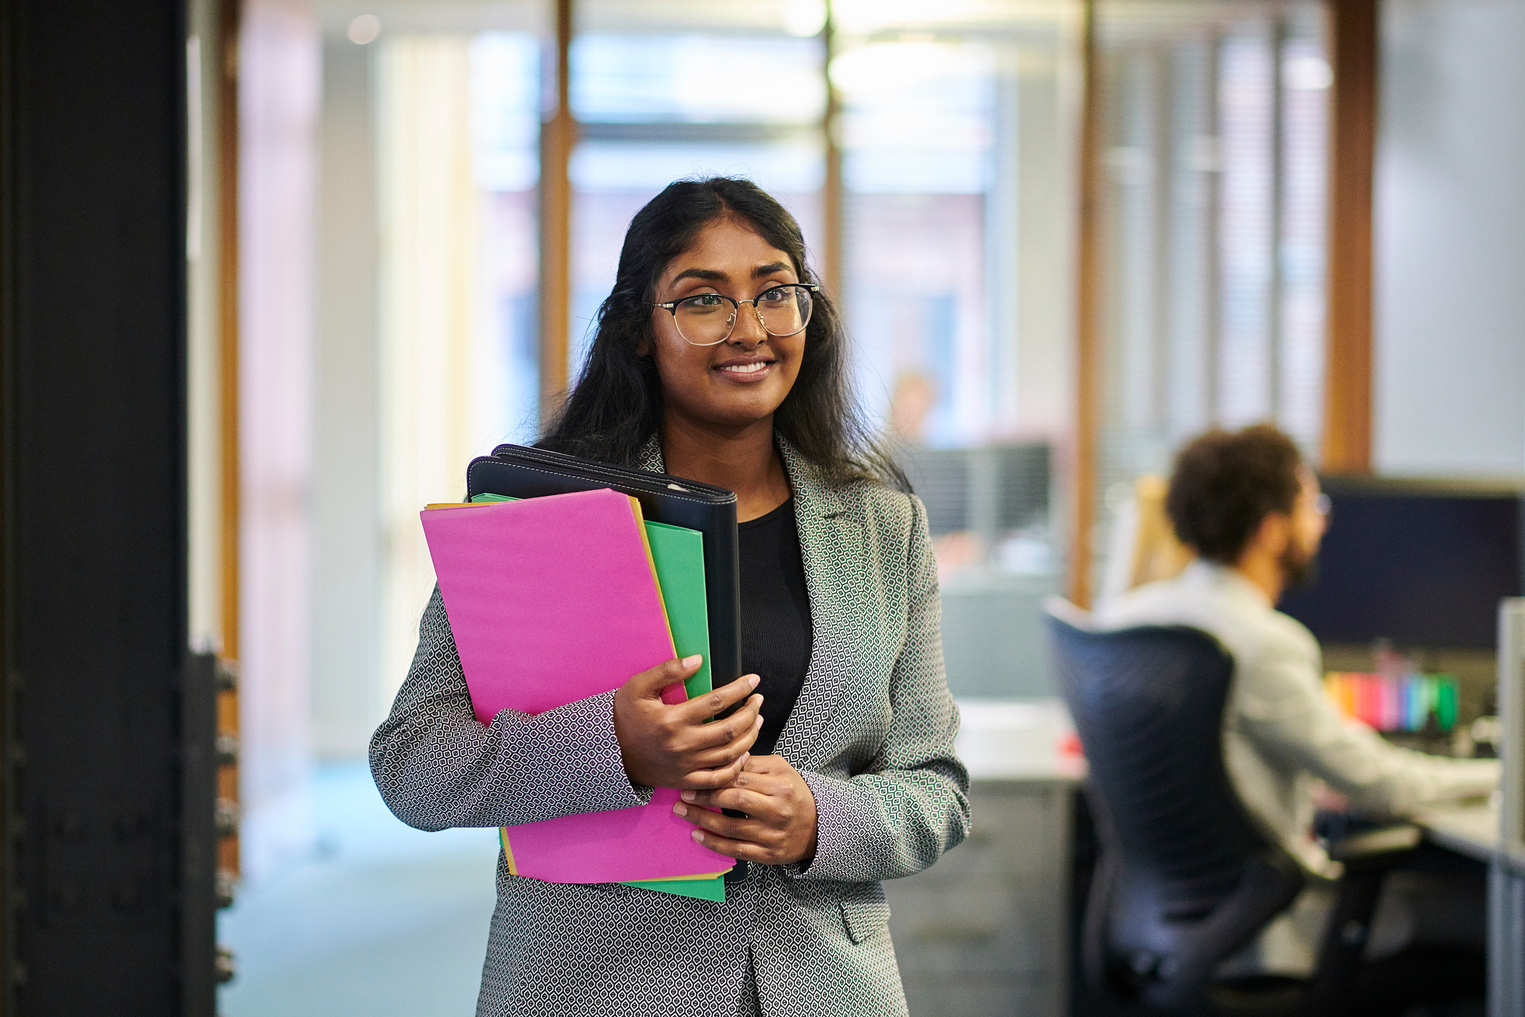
x=1224 y=485
x=616 y=403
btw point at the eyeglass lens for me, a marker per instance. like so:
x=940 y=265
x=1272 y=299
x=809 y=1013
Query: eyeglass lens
x=709 y=318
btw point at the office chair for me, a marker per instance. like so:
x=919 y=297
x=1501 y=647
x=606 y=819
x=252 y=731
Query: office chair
x=1184 y=878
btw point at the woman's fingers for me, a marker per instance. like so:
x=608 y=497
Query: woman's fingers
x=715 y=778
x=760 y=774
x=772 y=764
x=752 y=802
x=650 y=682
x=778 y=824
x=735 y=838
x=680 y=745
x=740 y=729
x=741 y=850
x=763 y=796
x=733 y=827
x=724 y=755
x=702 y=707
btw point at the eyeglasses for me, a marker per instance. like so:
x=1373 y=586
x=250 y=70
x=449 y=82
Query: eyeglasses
x=708 y=319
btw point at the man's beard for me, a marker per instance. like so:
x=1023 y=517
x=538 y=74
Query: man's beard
x=1299 y=569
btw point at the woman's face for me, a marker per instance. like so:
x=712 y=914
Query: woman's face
x=743 y=380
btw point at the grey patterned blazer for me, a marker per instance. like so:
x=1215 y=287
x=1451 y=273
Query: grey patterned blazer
x=871 y=733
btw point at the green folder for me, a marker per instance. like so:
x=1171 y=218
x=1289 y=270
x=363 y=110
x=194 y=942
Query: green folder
x=678 y=553
x=679 y=556
x=704 y=889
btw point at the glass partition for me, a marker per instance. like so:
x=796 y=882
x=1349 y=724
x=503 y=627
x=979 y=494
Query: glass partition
x=957 y=161
x=667 y=91
x=1214 y=134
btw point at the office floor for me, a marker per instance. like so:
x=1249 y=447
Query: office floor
x=372 y=919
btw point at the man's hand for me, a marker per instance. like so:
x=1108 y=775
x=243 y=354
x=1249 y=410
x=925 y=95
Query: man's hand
x=779 y=826
x=672 y=745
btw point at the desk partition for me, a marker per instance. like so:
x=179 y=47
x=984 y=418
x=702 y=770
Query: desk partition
x=1506 y=881
x=1511 y=664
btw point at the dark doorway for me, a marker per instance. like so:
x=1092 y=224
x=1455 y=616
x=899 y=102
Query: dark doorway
x=107 y=738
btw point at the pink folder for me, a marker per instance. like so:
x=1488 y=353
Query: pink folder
x=552 y=600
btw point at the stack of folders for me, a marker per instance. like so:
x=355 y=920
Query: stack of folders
x=555 y=598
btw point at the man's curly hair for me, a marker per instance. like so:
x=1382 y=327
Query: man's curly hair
x=1224 y=485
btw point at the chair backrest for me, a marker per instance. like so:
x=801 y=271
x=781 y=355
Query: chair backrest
x=1187 y=878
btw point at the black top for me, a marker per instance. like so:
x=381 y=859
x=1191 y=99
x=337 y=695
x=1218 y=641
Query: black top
x=776 y=633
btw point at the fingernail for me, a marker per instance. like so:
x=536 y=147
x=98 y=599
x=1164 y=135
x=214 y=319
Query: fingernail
x=688 y=796
x=746 y=756
x=698 y=836
x=752 y=680
x=693 y=661
x=759 y=721
x=680 y=808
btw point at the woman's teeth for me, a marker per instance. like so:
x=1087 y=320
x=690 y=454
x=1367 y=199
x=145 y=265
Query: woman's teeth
x=752 y=368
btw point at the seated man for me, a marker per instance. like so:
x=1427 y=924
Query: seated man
x=1252 y=513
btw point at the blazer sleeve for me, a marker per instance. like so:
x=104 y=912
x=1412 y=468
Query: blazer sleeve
x=911 y=804
x=437 y=766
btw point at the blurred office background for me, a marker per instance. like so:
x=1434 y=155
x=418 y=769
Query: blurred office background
x=424 y=233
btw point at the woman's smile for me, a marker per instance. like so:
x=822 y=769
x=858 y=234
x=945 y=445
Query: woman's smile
x=744 y=370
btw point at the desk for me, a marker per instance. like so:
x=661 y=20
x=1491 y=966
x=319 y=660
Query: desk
x=984 y=932
x=1473 y=830
x=1467 y=829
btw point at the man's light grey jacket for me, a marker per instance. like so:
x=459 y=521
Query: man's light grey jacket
x=872 y=735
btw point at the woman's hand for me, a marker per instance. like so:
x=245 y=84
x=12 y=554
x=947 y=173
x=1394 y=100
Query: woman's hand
x=779 y=826
x=671 y=745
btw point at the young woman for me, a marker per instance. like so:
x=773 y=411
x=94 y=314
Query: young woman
x=718 y=358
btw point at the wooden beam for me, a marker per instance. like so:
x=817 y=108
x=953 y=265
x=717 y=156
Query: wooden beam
x=1352 y=153
x=831 y=195
x=557 y=137
x=229 y=13
x=1275 y=324
x=229 y=21
x=1212 y=233
x=1087 y=321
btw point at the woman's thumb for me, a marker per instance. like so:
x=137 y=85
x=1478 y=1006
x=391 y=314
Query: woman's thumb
x=651 y=682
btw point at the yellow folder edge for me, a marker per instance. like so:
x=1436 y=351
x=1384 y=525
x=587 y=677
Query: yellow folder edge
x=651 y=563
x=508 y=852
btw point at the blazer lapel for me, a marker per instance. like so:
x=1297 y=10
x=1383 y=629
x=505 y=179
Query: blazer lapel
x=840 y=602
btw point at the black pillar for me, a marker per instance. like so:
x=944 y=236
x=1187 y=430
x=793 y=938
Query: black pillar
x=107 y=904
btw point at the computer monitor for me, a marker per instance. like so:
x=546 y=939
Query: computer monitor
x=990 y=487
x=1421 y=563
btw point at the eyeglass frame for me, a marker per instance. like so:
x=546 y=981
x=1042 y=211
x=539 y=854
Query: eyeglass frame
x=671 y=307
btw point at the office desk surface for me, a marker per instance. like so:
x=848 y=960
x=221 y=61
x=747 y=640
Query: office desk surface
x=985 y=931
x=1018 y=739
x=1467 y=828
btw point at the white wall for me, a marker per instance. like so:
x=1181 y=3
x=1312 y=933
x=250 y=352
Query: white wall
x=431 y=311
x=203 y=350
x=1450 y=239
x=348 y=541
x=278 y=111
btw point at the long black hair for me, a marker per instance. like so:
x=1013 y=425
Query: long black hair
x=616 y=403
